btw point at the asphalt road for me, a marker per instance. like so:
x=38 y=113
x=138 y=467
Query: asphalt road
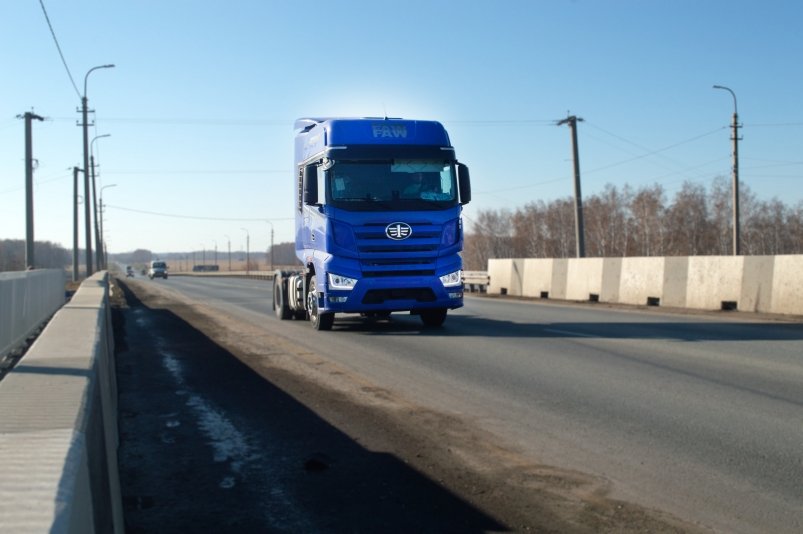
x=700 y=415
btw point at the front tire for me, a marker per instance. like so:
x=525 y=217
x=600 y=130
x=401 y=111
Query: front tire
x=433 y=318
x=319 y=321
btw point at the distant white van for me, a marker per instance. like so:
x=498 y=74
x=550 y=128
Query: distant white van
x=158 y=270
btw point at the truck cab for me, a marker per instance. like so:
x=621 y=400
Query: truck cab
x=378 y=223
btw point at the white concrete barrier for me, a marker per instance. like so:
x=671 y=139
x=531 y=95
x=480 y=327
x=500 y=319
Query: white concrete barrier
x=769 y=284
x=641 y=281
x=58 y=425
x=27 y=299
x=584 y=278
x=787 y=285
x=506 y=276
x=538 y=277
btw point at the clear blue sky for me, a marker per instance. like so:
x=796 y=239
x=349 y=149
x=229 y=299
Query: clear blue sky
x=201 y=103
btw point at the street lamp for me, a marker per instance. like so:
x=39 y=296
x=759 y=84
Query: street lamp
x=228 y=239
x=102 y=241
x=98 y=244
x=86 y=174
x=75 y=171
x=247 y=251
x=735 y=139
x=271 y=244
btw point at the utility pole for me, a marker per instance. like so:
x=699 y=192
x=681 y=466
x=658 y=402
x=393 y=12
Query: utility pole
x=87 y=212
x=29 y=239
x=735 y=138
x=572 y=120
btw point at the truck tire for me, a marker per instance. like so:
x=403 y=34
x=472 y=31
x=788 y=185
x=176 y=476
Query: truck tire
x=319 y=321
x=280 y=300
x=434 y=317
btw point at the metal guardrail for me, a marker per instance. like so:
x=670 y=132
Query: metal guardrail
x=27 y=299
x=476 y=280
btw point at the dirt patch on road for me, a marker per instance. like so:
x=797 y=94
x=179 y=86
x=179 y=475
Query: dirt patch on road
x=470 y=463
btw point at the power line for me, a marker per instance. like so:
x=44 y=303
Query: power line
x=186 y=121
x=649 y=152
x=53 y=33
x=205 y=171
x=195 y=217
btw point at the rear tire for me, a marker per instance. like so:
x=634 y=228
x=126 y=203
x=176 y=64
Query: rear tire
x=280 y=306
x=433 y=318
x=319 y=321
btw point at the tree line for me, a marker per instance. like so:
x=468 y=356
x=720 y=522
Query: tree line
x=624 y=221
x=47 y=255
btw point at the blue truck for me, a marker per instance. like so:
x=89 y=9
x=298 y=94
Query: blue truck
x=378 y=225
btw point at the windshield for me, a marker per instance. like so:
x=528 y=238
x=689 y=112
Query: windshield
x=392 y=185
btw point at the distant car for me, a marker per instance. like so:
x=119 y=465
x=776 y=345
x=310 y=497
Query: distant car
x=158 y=270
x=129 y=271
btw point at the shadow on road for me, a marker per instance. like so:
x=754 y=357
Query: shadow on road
x=466 y=325
x=207 y=445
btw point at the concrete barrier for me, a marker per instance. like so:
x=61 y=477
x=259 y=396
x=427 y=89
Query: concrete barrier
x=768 y=284
x=58 y=424
x=27 y=299
x=506 y=276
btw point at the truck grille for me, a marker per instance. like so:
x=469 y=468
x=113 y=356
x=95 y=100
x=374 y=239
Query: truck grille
x=414 y=256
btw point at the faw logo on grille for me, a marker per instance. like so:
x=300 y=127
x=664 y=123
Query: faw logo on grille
x=398 y=231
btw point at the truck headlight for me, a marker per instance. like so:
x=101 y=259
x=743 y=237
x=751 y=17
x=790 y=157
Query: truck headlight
x=451 y=279
x=337 y=281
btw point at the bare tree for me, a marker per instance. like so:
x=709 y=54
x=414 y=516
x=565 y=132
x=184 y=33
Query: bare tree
x=559 y=222
x=687 y=222
x=721 y=215
x=647 y=215
x=491 y=237
x=606 y=215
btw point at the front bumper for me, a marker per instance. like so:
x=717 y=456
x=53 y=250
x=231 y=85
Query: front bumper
x=392 y=294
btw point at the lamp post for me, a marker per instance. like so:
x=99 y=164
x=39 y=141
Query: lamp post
x=102 y=241
x=228 y=240
x=247 y=251
x=98 y=244
x=735 y=138
x=75 y=275
x=215 y=242
x=87 y=214
x=271 y=244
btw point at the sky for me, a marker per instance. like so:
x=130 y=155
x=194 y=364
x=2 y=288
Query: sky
x=200 y=105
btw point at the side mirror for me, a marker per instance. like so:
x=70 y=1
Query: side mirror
x=311 y=185
x=464 y=183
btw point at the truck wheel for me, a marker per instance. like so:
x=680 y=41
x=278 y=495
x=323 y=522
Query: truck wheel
x=320 y=321
x=279 y=301
x=433 y=318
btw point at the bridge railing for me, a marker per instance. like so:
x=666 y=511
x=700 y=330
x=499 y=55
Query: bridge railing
x=58 y=424
x=27 y=299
